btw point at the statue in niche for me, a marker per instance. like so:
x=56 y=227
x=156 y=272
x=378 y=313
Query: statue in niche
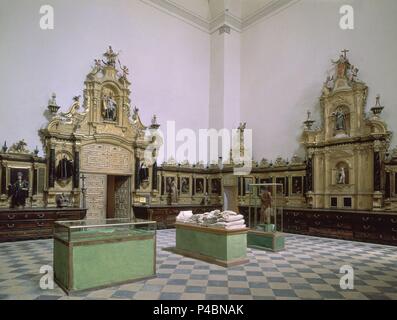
x=143 y=172
x=340 y=120
x=341 y=176
x=64 y=168
x=185 y=185
x=18 y=191
x=174 y=192
x=109 y=108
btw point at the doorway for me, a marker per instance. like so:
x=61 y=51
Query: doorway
x=118 y=204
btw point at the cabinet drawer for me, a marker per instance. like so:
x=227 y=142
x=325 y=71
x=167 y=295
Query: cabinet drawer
x=26 y=224
x=12 y=216
x=26 y=234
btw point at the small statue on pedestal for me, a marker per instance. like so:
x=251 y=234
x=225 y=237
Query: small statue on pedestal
x=18 y=192
x=266 y=204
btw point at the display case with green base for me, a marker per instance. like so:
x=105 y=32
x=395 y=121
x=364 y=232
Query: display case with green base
x=215 y=245
x=266 y=238
x=92 y=254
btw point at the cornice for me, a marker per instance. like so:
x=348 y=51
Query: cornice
x=270 y=9
x=211 y=25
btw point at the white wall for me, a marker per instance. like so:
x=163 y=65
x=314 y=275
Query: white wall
x=285 y=59
x=168 y=61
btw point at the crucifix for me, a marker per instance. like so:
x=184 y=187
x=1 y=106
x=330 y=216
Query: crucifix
x=83 y=189
x=345 y=53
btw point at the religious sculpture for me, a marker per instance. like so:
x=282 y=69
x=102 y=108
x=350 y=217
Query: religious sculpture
x=64 y=168
x=266 y=204
x=109 y=108
x=143 y=172
x=62 y=201
x=19 y=147
x=342 y=176
x=110 y=56
x=185 y=185
x=18 y=191
x=174 y=192
x=340 y=117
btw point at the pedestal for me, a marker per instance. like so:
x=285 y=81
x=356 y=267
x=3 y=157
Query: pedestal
x=266 y=240
x=219 y=246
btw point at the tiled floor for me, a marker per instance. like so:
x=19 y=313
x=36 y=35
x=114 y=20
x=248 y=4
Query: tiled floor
x=307 y=269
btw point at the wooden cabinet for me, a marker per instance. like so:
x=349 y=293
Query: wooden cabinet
x=366 y=226
x=26 y=224
x=165 y=216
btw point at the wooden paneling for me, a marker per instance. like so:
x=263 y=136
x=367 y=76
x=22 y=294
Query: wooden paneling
x=366 y=226
x=28 y=224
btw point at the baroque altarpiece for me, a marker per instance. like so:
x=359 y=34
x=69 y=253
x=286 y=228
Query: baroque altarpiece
x=345 y=155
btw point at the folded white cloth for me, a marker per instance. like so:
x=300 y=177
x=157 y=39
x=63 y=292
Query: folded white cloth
x=228 y=212
x=230 y=218
x=231 y=223
x=184 y=216
x=242 y=226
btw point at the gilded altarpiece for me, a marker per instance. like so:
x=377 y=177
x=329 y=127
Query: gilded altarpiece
x=98 y=139
x=347 y=151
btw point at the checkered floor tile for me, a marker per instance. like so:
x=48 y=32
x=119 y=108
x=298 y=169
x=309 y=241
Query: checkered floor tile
x=307 y=269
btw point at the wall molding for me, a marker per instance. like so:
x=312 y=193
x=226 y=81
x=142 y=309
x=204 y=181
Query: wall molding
x=212 y=25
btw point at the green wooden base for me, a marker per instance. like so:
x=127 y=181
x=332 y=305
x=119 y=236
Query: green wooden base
x=97 y=264
x=272 y=241
x=218 y=246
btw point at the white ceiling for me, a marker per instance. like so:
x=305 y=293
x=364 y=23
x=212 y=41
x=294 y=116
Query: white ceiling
x=205 y=12
x=210 y=9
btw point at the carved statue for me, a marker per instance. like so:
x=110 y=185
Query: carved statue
x=266 y=204
x=62 y=201
x=342 y=176
x=342 y=65
x=185 y=185
x=97 y=66
x=64 y=168
x=354 y=74
x=18 y=191
x=124 y=69
x=174 y=192
x=19 y=147
x=143 y=172
x=109 y=108
x=340 y=117
x=110 y=56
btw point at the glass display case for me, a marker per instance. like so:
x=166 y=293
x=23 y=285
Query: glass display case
x=265 y=206
x=95 y=253
x=265 y=216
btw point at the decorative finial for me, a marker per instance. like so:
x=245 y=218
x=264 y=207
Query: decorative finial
x=154 y=125
x=52 y=104
x=76 y=98
x=4 y=148
x=309 y=122
x=36 y=151
x=378 y=108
